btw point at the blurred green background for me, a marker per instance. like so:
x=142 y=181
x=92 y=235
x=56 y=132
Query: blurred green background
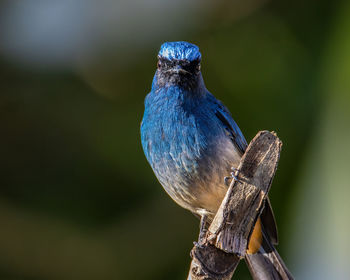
x=77 y=197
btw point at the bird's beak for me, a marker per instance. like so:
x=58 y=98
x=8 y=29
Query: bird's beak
x=178 y=70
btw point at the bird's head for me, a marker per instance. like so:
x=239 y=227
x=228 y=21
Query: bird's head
x=178 y=65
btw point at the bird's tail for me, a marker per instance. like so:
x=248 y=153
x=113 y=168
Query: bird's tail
x=265 y=263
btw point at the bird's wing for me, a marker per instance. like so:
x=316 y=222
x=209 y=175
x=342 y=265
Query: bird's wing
x=230 y=125
x=238 y=139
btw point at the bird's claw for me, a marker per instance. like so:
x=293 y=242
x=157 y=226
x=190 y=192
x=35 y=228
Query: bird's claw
x=235 y=169
x=228 y=179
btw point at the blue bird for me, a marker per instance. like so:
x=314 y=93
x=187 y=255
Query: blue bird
x=191 y=142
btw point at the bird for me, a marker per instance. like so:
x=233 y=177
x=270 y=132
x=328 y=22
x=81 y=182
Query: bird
x=191 y=142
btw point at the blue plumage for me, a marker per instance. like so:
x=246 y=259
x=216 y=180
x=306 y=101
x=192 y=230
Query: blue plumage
x=188 y=136
x=180 y=50
x=191 y=141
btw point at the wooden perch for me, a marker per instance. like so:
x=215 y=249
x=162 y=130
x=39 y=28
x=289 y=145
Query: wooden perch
x=225 y=243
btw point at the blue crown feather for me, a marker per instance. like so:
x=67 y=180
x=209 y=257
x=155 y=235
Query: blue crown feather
x=180 y=51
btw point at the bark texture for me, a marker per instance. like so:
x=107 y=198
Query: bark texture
x=217 y=255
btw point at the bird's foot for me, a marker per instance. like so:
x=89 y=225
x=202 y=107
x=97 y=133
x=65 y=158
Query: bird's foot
x=233 y=176
x=228 y=180
x=235 y=169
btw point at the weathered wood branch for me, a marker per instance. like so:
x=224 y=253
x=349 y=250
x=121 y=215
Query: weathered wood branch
x=226 y=241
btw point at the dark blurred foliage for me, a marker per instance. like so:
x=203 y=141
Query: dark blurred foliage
x=78 y=199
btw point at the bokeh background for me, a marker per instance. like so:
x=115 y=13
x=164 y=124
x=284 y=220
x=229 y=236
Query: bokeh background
x=77 y=197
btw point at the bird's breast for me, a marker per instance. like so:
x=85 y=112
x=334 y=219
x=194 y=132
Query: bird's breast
x=189 y=153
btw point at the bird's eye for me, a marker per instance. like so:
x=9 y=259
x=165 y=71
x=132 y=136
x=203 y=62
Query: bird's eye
x=198 y=67
x=159 y=64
